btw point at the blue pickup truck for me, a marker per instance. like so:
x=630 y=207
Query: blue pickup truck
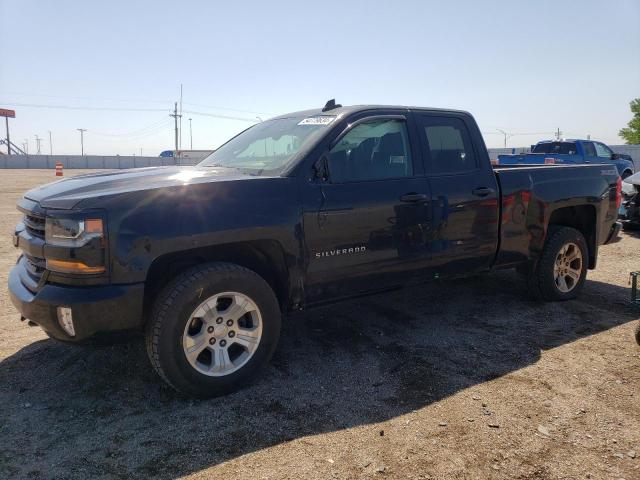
x=570 y=152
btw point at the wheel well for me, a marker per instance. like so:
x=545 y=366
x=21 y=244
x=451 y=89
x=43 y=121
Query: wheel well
x=582 y=218
x=626 y=173
x=265 y=257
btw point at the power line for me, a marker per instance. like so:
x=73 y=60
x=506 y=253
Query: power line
x=136 y=100
x=71 y=107
x=118 y=109
x=226 y=108
x=150 y=133
x=142 y=130
x=107 y=99
x=227 y=117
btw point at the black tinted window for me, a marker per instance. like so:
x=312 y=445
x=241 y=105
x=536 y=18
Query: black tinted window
x=449 y=145
x=560 y=148
x=371 y=151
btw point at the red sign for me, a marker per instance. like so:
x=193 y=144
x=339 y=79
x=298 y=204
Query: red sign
x=7 y=113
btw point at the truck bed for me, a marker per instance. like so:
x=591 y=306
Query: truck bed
x=531 y=195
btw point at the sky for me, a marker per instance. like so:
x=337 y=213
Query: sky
x=115 y=68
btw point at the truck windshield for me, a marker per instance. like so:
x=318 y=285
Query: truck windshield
x=560 y=148
x=266 y=148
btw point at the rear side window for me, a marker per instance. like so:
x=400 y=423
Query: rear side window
x=448 y=144
x=589 y=149
x=559 y=148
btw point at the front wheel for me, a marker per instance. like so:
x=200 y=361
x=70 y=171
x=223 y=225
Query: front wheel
x=562 y=267
x=212 y=329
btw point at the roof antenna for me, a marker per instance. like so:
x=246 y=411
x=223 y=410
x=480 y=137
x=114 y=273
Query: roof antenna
x=330 y=105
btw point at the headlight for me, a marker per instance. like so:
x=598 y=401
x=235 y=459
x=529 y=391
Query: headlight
x=65 y=232
x=75 y=233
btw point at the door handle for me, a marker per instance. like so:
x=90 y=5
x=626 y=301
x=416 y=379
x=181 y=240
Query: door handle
x=482 y=191
x=414 y=197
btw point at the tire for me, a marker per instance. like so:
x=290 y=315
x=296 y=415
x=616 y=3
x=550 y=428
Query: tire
x=543 y=283
x=625 y=174
x=638 y=333
x=198 y=302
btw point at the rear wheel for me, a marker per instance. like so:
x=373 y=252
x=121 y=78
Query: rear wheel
x=562 y=267
x=212 y=329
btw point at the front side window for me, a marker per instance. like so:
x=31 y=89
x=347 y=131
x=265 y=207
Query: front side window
x=449 y=145
x=266 y=148
x=372 y=150
x=603 y=151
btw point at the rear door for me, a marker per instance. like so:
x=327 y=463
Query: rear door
x=589 y=152
x=365 y=226
x=464 y=191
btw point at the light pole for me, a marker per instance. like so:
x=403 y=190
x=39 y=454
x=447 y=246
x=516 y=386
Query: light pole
x=190 y=136
x=81 y=130
x=38 y=139
x=506 y=136
x=50 y=144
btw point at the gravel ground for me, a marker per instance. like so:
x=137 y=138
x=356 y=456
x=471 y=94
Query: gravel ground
x=459 y=379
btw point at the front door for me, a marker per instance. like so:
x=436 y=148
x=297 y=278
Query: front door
x=366 y=225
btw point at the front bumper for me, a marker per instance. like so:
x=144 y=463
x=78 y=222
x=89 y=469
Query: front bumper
x=614 y=233
x=95 y=308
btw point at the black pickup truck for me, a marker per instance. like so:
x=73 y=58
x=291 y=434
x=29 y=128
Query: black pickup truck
x=298 y=210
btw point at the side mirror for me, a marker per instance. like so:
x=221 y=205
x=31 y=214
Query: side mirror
x=615 y=156
x=321 y=169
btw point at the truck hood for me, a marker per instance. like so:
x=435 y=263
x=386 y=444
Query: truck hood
x=631 y=184
x=65 y=194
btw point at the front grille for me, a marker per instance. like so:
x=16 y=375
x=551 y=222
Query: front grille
x=34 y=224
x=35 y=266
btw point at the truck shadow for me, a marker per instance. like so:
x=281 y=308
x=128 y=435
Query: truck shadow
x=100 y=410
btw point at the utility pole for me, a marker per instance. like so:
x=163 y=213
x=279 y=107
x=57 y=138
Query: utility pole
x=180 y=142
x=38 y=139
x=190 y=136
x=81 y=130
x=558 y=134
x=50 y=144
x=175 y=122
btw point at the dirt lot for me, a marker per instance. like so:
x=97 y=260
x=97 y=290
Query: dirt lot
x=460 y=379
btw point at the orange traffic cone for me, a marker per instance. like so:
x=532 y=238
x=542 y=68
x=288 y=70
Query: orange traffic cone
x=59 y=169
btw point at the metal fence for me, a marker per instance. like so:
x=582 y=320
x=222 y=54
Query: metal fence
x=111 y=162
x=90 y=161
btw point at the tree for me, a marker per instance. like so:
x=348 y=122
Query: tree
x=632 y=133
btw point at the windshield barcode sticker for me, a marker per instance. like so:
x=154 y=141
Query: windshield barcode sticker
x=319 y=120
